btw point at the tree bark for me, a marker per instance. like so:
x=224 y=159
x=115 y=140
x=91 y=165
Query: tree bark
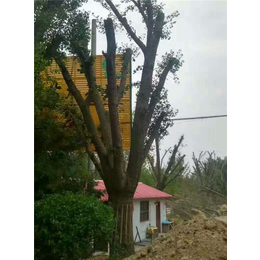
x=123 y=207
x=120 y=193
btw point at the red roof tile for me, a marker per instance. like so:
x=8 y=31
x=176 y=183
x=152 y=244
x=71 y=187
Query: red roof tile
x=142 y=191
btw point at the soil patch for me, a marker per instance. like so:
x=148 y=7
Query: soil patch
x=196 y=239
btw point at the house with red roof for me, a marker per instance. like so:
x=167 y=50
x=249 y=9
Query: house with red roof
x=149 y=207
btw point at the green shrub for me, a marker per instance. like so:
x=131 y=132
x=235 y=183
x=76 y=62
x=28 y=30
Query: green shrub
x=66 y=225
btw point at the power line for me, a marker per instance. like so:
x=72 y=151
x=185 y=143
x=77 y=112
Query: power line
x=199 y=117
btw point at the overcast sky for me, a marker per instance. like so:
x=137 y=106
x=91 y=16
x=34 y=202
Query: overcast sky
x=201 y=34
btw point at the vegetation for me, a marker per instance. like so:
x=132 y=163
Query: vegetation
x=204 y=187
x=210 y=173
x=67 y=225
x=165 y=175
x=57 y=167
x=60 y=163
x=67 y=31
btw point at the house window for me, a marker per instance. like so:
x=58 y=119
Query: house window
x=144 y=211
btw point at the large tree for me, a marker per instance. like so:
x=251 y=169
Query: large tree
x=175 y=167
x=69 y=34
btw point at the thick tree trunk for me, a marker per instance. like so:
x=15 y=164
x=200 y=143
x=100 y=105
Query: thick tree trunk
x=123 y=236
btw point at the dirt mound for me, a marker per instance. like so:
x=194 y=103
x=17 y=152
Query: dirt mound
x=196 y=239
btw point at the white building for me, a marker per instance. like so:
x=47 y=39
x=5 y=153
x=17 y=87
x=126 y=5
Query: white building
x=149 y=208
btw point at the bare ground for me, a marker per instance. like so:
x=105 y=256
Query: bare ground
x=197 y=239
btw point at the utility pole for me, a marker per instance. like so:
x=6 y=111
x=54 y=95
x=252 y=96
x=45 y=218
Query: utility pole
x=94 y=38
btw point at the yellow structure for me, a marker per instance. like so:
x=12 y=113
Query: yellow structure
x=101 y=80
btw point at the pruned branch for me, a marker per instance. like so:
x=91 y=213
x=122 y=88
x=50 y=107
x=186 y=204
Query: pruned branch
x=153 y=134
x=96 y=98
x=113 y=97
x=125 y=70
x=126 y=26
x=84 y=110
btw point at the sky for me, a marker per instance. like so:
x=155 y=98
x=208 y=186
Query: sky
x=200 y=33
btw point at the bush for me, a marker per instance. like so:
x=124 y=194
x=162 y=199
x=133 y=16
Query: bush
x=66 y=225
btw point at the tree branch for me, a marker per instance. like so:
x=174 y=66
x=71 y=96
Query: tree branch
x=173 y=156
x=158 y=165
x=87 y=146
x=158 y=26
x=84 y=110
x=165 y=154
x=152 y=166
x=150 y=22
x=175 y=176
x=113 y=97
x=141 y=10
x=177 y=165
x=153 y=134
x=94 y=159
x=149 y=9
x=126 y=26
x=125 y=69
x=96 y=98
x=213 y=191
x=166 y=176
x=157 y=92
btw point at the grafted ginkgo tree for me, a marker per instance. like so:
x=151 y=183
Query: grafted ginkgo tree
x=153 y=113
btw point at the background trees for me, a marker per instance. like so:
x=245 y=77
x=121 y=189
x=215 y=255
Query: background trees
x=175 y=167
x=210 y=172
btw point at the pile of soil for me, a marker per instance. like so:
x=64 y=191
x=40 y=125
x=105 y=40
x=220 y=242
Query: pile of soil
x=196 y=239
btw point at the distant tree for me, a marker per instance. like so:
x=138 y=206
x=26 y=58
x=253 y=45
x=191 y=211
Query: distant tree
x=164 y=175
x=210 y=172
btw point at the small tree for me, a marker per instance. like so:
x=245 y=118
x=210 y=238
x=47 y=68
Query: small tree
x=175 y=167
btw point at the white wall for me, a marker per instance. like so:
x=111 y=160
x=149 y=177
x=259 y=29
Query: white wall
x=142 y=226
